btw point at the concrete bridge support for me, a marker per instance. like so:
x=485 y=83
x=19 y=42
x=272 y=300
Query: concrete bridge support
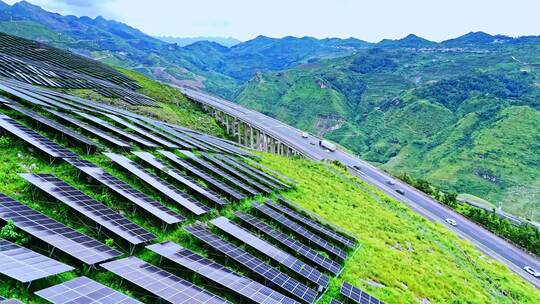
x=249 y=135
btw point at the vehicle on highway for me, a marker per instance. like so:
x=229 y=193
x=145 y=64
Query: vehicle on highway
x=312 y=143
x=327 y=145
x=357 y=167
x=305 y=135
x=390 y=182
x=532 y=271
x=400 y=191
x=451 y=221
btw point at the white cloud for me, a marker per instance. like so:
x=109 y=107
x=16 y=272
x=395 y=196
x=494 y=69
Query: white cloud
x=365 y=19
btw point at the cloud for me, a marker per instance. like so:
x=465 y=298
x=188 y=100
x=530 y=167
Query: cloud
x=90 y=8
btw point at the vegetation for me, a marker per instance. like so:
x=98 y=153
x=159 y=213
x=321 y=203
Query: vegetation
x=404 y=258
x=173 y=107
x=525 y=235
x=465 y=120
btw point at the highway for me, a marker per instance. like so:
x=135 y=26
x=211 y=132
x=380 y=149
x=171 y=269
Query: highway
x=490 y=244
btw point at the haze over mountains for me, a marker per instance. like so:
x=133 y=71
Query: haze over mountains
x=462 y=113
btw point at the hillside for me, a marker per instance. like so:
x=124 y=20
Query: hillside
x=400 y=252
x=466 y=120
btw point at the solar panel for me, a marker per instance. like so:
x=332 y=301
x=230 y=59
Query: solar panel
x=247 y=172
x=160 y=283
x=22 y=96
x=301 y=231
x=357 y=295
x=162 y=134
x=10 y=301
x=312 y=224
x=314 y=215
x=334 y=301
x=220 y=172
x=102 y=123
x=278 y=278
x=33 y=138
x=25 y=265
x=217 y=273
x=92 y=209
x=56 y=126
x=215 y=183
x=160 y=185
x=142 y=132
x=84 y=290
x=56 y=234
x=181 y=178
x=280 y=256
x=123 y=189
x=300 y=248
x=256 y=172
x=237 y=174
x=95 y=131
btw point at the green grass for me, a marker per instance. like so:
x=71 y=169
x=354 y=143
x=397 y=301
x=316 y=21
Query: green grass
x=412 y=257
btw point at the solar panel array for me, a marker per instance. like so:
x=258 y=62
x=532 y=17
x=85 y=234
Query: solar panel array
x=93 y=130
x=34 y=139
x=10 y=301
x=126 y=191
x=357 y=295
x=102 y=123
x=237 y=174
x=301 y=231
x=181 y=178
x=25 y=265
x=160 y=185
x=218 y=274
x=84 y=290
x=56 y=126
x=140 y=131
x=312 y=224
x=39 y=64
x=280 y=256
x=278 y=278
x=334 y=301
x=297 y=246
x=202 y=175
x=261 y=175
x=160 y=283
x=90 y=208
x=219 y=172
x=56 y=234
x=314 y=215
x=244 y=169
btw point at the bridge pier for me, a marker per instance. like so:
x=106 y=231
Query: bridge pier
x=247 y=134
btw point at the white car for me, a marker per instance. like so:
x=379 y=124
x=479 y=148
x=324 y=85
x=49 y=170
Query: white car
x=451 y=221
x=532 y=271
x=390 y=182
x=305 y=135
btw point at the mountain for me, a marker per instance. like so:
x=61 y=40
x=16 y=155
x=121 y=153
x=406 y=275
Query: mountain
x=466 y=120
x=397 y=103
x=183 y=41
x=410 y=41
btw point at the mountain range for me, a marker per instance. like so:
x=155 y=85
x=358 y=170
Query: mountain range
x=463 y=113
x=183 y=41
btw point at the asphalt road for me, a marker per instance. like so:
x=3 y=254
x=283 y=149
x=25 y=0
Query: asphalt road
x=490 y=244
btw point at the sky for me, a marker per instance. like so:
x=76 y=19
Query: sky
x=370 y=20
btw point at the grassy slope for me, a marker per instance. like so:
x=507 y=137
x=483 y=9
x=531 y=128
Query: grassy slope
x=412 y=257
x=173 y=106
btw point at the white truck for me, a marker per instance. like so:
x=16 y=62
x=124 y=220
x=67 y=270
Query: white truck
x=327 y=145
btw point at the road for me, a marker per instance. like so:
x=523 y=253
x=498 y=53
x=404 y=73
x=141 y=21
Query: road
x=490 y=244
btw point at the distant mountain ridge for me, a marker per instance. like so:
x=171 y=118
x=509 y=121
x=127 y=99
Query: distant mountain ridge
x=183 y=41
